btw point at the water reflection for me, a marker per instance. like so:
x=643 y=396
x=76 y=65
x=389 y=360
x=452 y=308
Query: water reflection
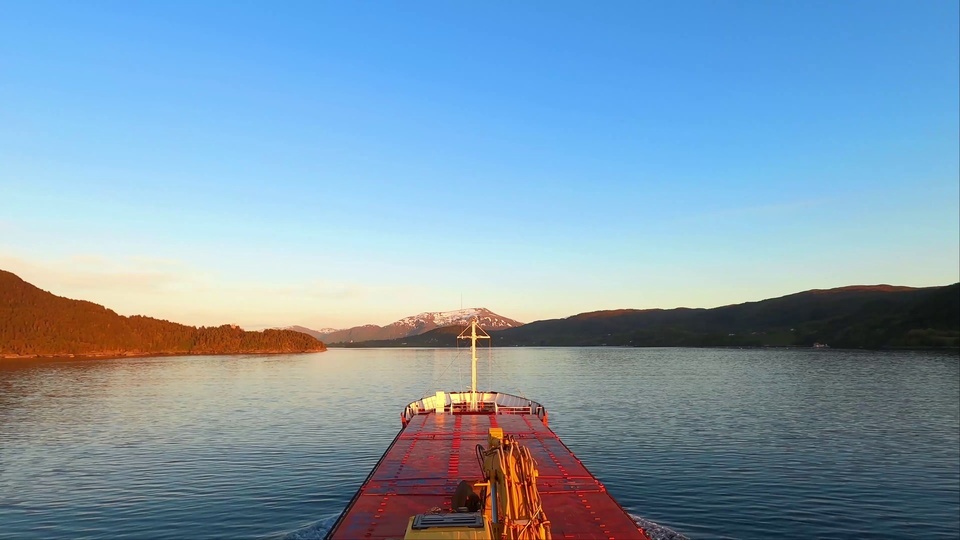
x=748 y=444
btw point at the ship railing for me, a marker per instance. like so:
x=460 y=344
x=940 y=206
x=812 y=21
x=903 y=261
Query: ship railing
x=462 y=402
x=515 y=410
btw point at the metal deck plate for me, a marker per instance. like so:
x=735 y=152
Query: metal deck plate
x=421 y=469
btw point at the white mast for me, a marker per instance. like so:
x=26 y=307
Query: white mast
x=473 y=337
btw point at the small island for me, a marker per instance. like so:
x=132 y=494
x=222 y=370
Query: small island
x=36 y=323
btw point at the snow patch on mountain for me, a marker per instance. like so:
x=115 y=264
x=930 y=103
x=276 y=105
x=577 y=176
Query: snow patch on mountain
x=327 y=330
x=485 y=317
x=418 y=324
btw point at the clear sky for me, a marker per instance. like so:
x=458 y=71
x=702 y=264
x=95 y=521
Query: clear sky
x=340 y=163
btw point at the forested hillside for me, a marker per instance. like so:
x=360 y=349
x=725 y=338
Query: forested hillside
x=850 y=317
x=36 y=322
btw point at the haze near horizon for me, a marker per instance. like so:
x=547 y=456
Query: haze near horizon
x=330 y=165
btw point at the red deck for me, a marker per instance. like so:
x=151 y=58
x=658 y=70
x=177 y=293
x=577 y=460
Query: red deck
x=430 y=456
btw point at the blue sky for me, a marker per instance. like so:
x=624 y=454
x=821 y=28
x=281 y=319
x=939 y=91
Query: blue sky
x=341 y=163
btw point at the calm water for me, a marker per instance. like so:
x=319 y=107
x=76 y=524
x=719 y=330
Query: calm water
x=713 y=443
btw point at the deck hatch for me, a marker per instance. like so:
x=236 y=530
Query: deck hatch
x=427 y=521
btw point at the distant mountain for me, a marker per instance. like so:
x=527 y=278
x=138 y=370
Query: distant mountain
x=34 y=322
x=315 y=333
x=445 y=336
x=848 y=317
x=418 y=324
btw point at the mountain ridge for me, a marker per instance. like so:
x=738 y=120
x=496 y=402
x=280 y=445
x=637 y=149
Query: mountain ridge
x=858 y=316
x=35 y=322
x=414 y=325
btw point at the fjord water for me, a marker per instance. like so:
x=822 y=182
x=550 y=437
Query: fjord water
x=713 y=443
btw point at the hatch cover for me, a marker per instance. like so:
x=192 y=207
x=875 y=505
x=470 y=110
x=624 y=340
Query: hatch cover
x=460 y=519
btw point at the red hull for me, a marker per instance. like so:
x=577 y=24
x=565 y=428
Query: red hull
x=433 y=452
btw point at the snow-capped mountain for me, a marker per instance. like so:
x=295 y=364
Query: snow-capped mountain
x=485 y=318
x=418 y=324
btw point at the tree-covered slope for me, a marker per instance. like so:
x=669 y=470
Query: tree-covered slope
x=851 y=317
x=36 y=322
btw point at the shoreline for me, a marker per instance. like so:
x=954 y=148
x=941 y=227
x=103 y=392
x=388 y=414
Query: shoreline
x=740 y=347
x=115 y=355
x=118 y=355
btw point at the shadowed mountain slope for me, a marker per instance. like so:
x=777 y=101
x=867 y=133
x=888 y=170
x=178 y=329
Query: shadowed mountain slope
x=851 y=317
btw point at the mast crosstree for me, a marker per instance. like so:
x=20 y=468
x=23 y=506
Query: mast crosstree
x=473 y=337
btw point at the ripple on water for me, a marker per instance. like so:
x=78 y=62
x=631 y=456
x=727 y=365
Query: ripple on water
x=710 y=443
